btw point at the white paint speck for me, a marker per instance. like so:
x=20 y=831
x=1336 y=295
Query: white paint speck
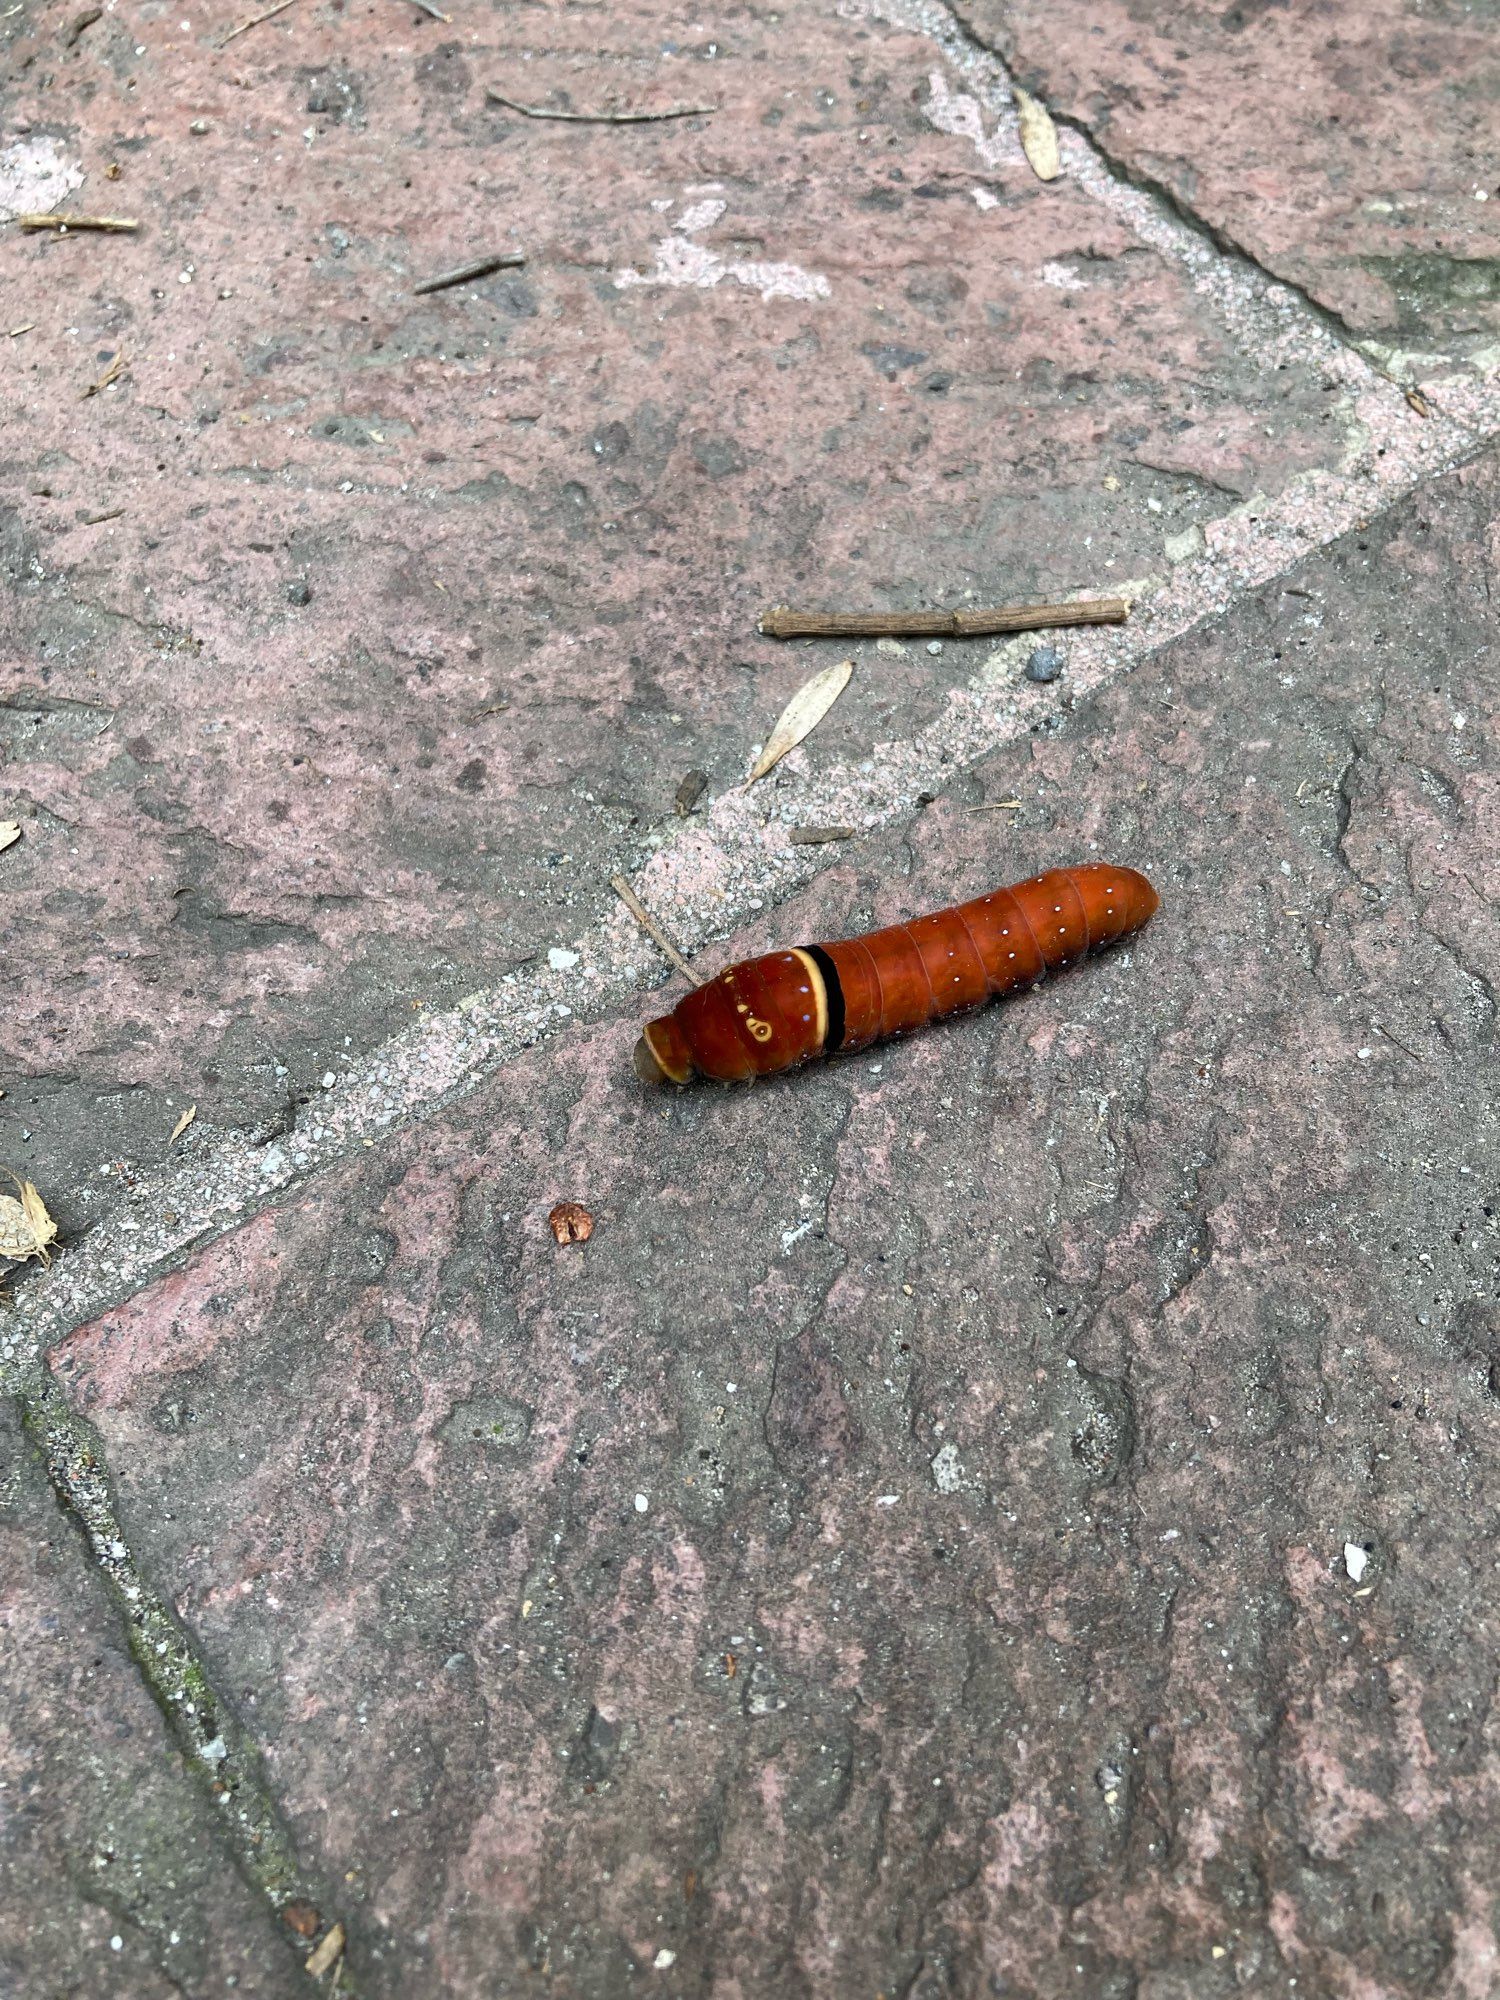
x=329 y=1079
x=561 y=960
x=680 y=261
x=702 y=215
x=947 y=1472
x=1356 y=1561
x=664 y=1958
x=886 y=1499
x=1062 y=278
x=36 y=176
x=641 y=1503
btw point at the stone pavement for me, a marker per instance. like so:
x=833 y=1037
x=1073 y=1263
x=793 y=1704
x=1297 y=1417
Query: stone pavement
x=1013 y=1512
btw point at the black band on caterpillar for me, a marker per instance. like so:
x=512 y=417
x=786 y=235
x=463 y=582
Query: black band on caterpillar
x=833 y=987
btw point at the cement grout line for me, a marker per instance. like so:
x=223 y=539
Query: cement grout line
x=714 y=874
x=206 y=1729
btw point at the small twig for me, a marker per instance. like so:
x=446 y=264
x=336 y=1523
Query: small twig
x=16 y=331
x=999 y=806
x=502 y=260
x=1380 y=1029
x=433 y=13
x=113 y=225
x=94 y=520
x=602 y=117
x=781 y=623
x=111 y=374
x=651 y=927
x=255 y=21
x=814 y=836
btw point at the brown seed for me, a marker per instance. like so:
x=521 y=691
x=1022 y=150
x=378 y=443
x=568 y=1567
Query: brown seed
x=731 y=1666
x=302 y=1918
x=571 y=1222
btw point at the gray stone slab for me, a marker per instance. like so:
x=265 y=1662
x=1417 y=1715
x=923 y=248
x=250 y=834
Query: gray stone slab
x=1010 y=1512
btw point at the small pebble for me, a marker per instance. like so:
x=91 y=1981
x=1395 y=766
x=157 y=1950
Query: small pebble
x=1045 y=664
x=299 y=591
x=198 y=127
x=934 y=645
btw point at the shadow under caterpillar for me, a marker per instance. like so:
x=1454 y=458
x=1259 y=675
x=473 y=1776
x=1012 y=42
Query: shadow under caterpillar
x=768 y=1014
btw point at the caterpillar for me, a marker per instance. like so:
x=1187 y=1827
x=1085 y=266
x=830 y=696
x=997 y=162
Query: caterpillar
x=768 y=1014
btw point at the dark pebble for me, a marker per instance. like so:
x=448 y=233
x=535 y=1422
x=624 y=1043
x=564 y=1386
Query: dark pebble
x=1045 y=664
x=299 y=592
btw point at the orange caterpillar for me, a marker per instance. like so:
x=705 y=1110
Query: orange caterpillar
x=769 y=1014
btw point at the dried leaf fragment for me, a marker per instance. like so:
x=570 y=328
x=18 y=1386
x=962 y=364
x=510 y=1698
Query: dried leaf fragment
x=25 y=1226
x=1038 y=135
x=326 y=1953
x=1418 y=402
x=571 y=1222
x=692 y=788
x=183 y=1123
x=10 y=833
x=802 y=715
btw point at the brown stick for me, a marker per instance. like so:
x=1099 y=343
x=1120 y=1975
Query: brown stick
x=114 y=224
x=503 y=260
x=602 y=117
x=255 y=21
x=781 y=623
x=651 y=927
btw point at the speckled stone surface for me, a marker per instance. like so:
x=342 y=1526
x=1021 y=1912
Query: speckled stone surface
x=113 y=1877
x=349 y=640
x=1350 y=149
x=1010 y=1513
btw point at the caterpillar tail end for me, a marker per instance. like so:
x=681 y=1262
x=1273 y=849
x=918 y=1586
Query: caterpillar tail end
x=1147 y=902
x=661 y=1054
